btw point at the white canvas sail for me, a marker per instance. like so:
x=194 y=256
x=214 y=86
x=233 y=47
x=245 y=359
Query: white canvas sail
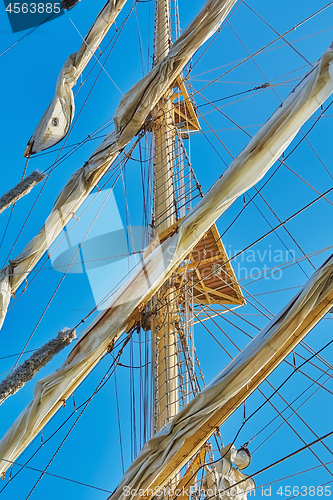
x=245 y=171
x=56 y=120
x=158 y=452
x=129 y=117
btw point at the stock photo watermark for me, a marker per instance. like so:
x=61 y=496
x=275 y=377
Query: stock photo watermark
x=234 y=491
x=23 y=15
x=266 y=263
x=109 y=253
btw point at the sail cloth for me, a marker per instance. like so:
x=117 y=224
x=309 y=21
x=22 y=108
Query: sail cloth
x=21 y=189
x=56 y=120
x=129 y=117
x=28 y=369
x=159 y=451
x=245 y=171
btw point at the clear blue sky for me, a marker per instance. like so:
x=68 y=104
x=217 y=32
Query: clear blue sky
x=28 y=75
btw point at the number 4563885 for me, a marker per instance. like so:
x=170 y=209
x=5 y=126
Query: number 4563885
x=33 y=8
x=304 y=491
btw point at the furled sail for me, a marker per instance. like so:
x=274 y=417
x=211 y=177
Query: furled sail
x=56 y=120
x=159 y=451
x=21 y=189
x=245 y=171
x=130 y=116
x=28 y=369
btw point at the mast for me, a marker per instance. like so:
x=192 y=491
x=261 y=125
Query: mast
x=164 y=334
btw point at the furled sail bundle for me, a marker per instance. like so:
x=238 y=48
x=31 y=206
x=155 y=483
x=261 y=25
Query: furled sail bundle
x=245 y=171
x=21 y=189
x=56 y=120
x=28 y=369
x=129 y=117
x=290 y=325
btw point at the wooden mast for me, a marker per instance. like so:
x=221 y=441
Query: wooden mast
x=164 y=334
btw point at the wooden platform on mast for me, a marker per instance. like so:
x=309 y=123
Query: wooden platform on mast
x=212 y=275
x=208 y=266
x=184 y=114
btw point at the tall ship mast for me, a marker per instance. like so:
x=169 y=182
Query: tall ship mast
x=168 y=298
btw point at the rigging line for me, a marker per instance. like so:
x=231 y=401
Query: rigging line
x=119 y=424
x=56 y=476
x=104 y=380
x=263 y=404
x=306 y=346
x=265 y=51
x=141 y=397
x=19 y=40
x=218 y=326
x=301 y=419
x=7 y=225
x=297 y=369
x=223 y=317
x=93 y=53
x=124 y=160
x=266 y=234
x=297 y=434
x=279 y=237
x=254 y=61
x=269 y=83
x=281 y=161
x=115 y=36
x=140 y=39
x=285 y=361
x=271 y=27
x=12 y=210
x=282 y=267
x=285 y=165
x=73 y=146
x=216 y=34
x=212 y=130
x=293 y=475
x=80 y=262
x=50 y=254
x=239 y=253
x=270 y=177
x=302 y=404
x=68 y=135
x=62 y=279
x=309 y=349
x=269 y=232
x=264 y=469
x=216 y=151
x=263 y=86
x=210 y=333
x=260 y=90
x=258 y=192
x=99 y=387
x=323 y=361
x=110 y=293
x=269 y=44
x=257 y=65
x=67 y=435
x=281 y=224
x=248 y=418
x=25 y=35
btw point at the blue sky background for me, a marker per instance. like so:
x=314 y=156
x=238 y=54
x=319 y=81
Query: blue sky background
x=29 y=72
